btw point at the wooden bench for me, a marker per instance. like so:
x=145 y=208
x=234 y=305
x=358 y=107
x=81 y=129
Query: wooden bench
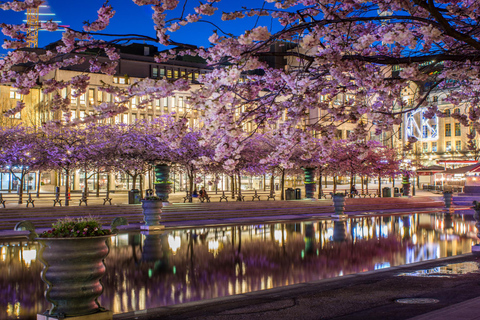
x=188 y=197
x=223 y=197
x=203 y=199
x=57 y=200
x=30 y=200
x=255 y=196
x=271 y=196
x=83 y=199
x=108 y=199
x=2 y=201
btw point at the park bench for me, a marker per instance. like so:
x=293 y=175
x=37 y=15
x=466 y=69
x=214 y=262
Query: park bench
x=205 y=198
x=107 y=198
x=83 y=199
x=30 y=200
x=57 y=199
x=188 y=197
x=255 y=196
x=271 y=195
x=223 y=197
x=2 y=201
x=240 y=197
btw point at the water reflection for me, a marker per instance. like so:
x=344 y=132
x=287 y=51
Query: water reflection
x=146 y=270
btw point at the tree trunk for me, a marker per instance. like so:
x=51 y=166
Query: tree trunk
x=334 y=184
x=134 y=180
x=320 y=191
x=379 y=186
x=239 y=186
x=264 y=182
x=232 y=185
x=67 y=191
x=85 y=181
x=282 y=185
x=272 y=184
x=39 y=182
x=363 y=181
x=366 y=182
x=98 y=184
x=141 y=186
x=20 y=191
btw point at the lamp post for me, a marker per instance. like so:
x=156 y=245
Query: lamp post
x=414 y=169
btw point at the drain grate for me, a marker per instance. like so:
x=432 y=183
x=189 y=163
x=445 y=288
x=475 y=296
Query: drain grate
x=416 y=300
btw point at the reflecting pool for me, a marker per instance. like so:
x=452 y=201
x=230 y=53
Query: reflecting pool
x=181 y=265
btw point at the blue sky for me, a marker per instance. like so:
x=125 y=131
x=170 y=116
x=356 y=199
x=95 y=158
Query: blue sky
x=130 y=18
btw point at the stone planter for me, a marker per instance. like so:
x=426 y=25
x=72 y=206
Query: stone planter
x=152 y=210
x=339 y=204
x=406 y=189
x=309 y=183
x=72 y=271
x=447 y=198
x=339 y=230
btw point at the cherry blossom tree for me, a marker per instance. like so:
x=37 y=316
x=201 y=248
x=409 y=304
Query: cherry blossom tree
x=349 y=59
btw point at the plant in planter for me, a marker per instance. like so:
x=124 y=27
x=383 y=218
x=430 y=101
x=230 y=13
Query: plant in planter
x=152 y=209
x=73 y=254
x=339 y=203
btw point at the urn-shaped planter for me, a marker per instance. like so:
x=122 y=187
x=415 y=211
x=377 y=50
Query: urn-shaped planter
x=339 y=203
x=152 y=210
x=72 y=271
x=447 y=199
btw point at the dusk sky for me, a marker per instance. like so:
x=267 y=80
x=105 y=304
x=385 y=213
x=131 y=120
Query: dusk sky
x=130 y=18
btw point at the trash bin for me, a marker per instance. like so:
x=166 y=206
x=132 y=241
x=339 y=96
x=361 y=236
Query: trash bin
x=396 y=190
x=134 y=196
x=298 y=194
x=289 y=194
x=386 y=192
x=57 y=190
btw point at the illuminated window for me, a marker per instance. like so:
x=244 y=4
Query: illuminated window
x=448 y=130
x=134 y=117
x=73 y=99
x=15 y=95
x=180 y=104
x=434 y=147
x=458 y=131
x=82 y=98
x=134 y=102
x=154 y=72
x=182 y=74
x=99 y=96
x=162 y=72
x=425 y=147
x=91 y=96
x=448 y=146
x=175 y=74
x=125 y=118
x=169 y=73
x=82 y=115
x=458 y=145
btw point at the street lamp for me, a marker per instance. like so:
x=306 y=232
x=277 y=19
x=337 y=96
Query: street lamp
x=414 y=169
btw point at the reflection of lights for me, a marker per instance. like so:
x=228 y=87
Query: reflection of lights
x=385 y=231
x=414 y=238
x=13 y=310
x=330 y=233
x=212 y=245
x=28 y=256
x=278 y=236
x=174 y=243
x=122 y=239
x=382 y=265
x=3 y=252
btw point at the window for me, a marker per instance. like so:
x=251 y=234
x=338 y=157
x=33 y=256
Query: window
x=447 y=113
x=134 y=117
x=434 y=147
x=169 y=73
x=348 y=133
x=458 y=131
x=154 y=72
x=120 y=80
x=15 y=95
x=99 y=96
x=162 y=72
x=73 y=99
x=157 y=104
x=190 y=76
x=448 y=130
x=196 y=76
x=425 y=147
x=109 y=97
x=182 y=74
x=425 y=132
x=175 y=74
x=82 y=115
x=180 y=104
x=448 y=146
x=91 y=96
x=435 y=98
x=173 y=103
x=456 y=111
x=134 y=102
x=82 y=98
x=125 y=118
x=458 y=145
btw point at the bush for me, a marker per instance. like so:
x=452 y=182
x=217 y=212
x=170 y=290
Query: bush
x=71 y=228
